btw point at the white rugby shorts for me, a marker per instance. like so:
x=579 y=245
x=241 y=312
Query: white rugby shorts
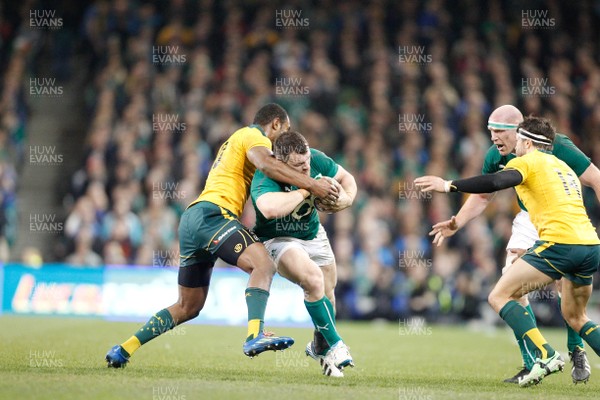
x=523 y=236
x=318 y=249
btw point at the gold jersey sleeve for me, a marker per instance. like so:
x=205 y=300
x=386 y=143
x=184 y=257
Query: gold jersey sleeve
x=551 y=192
x=229 y=179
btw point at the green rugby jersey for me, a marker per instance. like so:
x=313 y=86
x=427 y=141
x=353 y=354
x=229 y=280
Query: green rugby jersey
x=563 y=148
x=303 y=223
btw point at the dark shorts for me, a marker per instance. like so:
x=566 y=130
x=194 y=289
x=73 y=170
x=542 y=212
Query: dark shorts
x=575 y=262
x=208 y=232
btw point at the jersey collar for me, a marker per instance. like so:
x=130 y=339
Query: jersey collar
x=259 y=128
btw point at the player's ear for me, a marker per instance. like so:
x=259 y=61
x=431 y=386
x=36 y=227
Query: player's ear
x=276 y=124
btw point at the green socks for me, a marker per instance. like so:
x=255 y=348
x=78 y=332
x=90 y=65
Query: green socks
x=528 y=358
x=158 y=324
x=591 y=333
x=323 y=317
x=573 y=340
x=256 y=300
x=330 y=308
x=519 y=319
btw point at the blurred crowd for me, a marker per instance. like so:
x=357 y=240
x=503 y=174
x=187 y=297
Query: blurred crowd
x=391 y=90
x=17 y=44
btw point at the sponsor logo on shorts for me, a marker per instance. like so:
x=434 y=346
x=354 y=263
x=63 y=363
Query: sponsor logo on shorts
x=222 y=235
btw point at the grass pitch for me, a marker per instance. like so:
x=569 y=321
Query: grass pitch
x=59 y=358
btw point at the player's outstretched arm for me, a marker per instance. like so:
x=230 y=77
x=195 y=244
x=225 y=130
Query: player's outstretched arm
x=263 y=159
x=477 y=184
x=474 y=205
x=279 y=204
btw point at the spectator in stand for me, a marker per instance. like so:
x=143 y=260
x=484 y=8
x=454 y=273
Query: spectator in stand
x=83 y=255
x=357 y=89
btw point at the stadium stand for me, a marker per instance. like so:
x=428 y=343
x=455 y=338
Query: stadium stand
x=170 y=80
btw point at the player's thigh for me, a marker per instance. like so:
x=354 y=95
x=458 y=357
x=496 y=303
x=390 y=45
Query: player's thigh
x=194 y=281
x=255 y=256
x=518 y=280
x=319 y=251
x=196 y=275
x=512 y=255
x=206 y=228
x=295 y=265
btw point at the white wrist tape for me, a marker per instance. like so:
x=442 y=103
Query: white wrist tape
x=447 y=185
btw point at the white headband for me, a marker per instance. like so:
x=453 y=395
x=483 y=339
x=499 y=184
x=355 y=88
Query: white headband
x=524 y=134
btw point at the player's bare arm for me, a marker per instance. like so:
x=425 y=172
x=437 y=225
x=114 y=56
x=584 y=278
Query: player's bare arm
x=263 y=159
x=473 y=207
x=278 y=204
x=347 y=193
x=591 y=178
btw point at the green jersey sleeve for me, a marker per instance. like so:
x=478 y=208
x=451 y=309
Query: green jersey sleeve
x=302 y=223
x=322 y=164
x=564 y=149
x=262 y=184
